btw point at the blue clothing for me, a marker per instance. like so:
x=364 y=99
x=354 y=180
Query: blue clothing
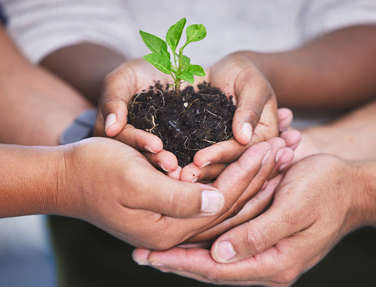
x=3 y=19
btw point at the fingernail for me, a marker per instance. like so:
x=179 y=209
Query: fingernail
x=225 y=251
x=247 y=131
x=157 y=264
x=195 y=179
x=110 y=121
x=205 y=164
x=163 y=167
x=266 y=157
x=279 y=155
x=149 y=149
x=211 y=201
x=141 y=262
x=283 y=166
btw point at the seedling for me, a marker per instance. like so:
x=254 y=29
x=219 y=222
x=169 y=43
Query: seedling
x=180 y=67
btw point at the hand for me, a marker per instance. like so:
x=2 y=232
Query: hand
x=255 y=118
x=120 y=86
x=292 y=138
x=105 y=185
x=309 y=214
x=245 y=82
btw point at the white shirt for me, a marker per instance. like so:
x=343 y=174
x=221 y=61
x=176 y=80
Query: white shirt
x=42 y=26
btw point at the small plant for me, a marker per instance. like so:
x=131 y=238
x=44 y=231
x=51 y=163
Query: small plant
x=180 y=68
x=186 y=120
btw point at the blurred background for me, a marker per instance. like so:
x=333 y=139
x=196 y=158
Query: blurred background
x=25 y=254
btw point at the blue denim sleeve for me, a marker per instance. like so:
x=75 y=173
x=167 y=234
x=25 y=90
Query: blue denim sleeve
x=3 y=19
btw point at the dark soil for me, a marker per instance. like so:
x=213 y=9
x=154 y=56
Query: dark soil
x=186 y=122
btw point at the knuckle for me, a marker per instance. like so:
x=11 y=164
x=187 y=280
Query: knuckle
x=179 y=203
x=255 y=240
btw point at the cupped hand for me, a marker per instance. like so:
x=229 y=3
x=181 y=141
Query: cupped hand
x=292 y=138
x=114 y=187
x=255 y=118
x=309 y=214
x=120 y=86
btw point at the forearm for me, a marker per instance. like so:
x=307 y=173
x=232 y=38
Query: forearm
x=351 y=137
x=333 y=71
x=35 y=106
x=84 y=66
x=29 y=180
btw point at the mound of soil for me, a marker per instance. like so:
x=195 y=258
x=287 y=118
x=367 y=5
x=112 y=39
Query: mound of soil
x=187 y=122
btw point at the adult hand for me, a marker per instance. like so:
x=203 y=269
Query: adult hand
x=105 y=185
x=309 y=214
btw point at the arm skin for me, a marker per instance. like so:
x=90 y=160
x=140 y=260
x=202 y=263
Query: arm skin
x=334 y=71
x=88 y=66
x=37 y=111
x=339 y=61
x=28 y=180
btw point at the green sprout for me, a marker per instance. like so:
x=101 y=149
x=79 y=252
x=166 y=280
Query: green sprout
x=181 y=68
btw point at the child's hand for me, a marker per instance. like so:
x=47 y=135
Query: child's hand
x=292 y=138
x=120 y=86
x=255 y=118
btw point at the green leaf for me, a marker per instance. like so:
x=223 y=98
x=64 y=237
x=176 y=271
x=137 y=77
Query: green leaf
x=187 y=76
x=185 y=62
x=195 y=32
x=174 y=33
x=155 y=44
x=196 y=70
x=161 y=62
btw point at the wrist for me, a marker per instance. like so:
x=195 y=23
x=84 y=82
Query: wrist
x=267 y=63
x=365 y=196
x=67 y=202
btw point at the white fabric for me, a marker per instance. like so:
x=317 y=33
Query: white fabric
x=42 y=26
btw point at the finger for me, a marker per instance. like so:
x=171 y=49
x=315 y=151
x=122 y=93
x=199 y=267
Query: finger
x=260 y=172
x=170 y=197
x=292 y=138
x=284 y=158
x=115 y=114
x=164 y=159
x=230 y=150
x=285 y=117
x=237 y=176
x=190 y=173
x=251 y=209
x=257 y=235
x=222 y=152
x=199 y=264
x=175 y=174
x=211 y=172
x=140 y=140
x=253 y=93
x=114 y=104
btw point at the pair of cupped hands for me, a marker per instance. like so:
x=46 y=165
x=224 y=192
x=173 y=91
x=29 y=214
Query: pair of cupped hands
x=238 y=215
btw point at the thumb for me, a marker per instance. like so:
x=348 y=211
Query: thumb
x=118 y=90
x=257 y=235
x=253 y=92
x=114 y=112
x=167 y=196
